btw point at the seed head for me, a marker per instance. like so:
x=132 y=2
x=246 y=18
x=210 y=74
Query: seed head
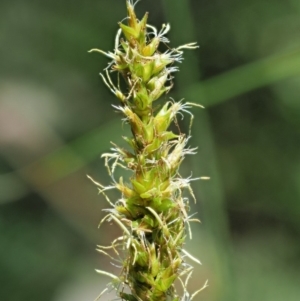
x=151 y=211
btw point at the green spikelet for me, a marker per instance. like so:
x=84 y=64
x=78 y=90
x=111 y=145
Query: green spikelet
x=152 y=212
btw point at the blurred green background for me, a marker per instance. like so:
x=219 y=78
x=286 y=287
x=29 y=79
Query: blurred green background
x=56 y=119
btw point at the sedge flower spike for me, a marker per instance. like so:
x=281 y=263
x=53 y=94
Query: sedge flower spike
x=152 y=212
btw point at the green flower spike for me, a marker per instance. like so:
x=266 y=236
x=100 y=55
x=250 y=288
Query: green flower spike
x=152 y=212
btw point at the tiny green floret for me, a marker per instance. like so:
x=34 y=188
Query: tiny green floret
x=151 y=212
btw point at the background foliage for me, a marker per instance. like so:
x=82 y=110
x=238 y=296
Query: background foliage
x=56 y=119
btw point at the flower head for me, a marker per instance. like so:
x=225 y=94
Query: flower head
x=151 y=212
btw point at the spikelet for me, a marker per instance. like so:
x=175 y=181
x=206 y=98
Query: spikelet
x=151 y=212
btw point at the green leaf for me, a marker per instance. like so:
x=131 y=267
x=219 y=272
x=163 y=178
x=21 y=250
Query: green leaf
x=245 y=78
